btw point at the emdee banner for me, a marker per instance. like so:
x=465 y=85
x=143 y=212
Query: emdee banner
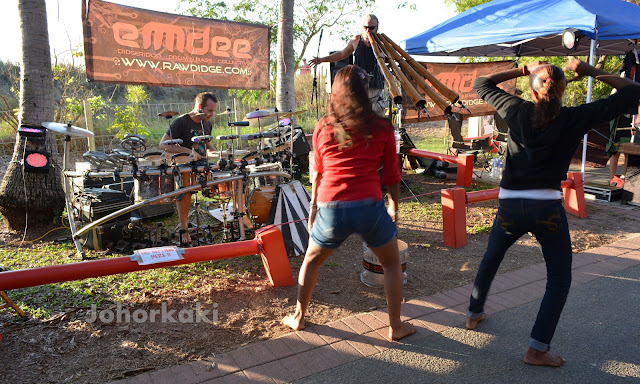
x=458 y=77
x=135 y=46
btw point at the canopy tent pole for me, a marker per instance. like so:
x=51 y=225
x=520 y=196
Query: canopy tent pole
x=592 y=53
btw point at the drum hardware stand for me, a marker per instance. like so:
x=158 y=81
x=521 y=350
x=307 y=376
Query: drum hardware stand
x=314 y=91
x=395 y=117
x=68 y=130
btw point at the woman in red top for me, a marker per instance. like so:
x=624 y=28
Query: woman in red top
x=349 y=143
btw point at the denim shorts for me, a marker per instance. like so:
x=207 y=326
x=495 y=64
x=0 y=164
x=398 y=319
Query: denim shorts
x=337 y=220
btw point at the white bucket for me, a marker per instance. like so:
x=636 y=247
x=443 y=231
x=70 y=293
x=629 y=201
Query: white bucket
x=372 y=273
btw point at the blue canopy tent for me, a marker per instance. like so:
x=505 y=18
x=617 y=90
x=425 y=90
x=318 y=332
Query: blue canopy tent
x=534 y=28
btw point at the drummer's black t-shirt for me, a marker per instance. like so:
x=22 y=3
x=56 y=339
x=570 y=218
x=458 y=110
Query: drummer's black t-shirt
x=185 y=128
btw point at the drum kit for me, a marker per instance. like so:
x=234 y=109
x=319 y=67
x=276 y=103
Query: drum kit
x=156 y=177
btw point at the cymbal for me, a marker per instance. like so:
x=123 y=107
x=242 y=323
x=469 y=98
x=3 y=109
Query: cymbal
x=199 y=114
x=292 y=114
x=226 y=113
x=259 y=114
x=67 y=129
x=226 y=137
x=167 y=114
x=235 y=152
x=172 y=142
x=197 y=139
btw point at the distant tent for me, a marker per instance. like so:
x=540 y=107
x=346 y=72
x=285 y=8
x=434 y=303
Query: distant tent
x=291 y=206
x=532 y=28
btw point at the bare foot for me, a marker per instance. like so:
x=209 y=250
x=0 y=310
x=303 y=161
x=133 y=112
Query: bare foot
x=294 y=321
x=548 y=359
x=404 y=330
x=471 y=323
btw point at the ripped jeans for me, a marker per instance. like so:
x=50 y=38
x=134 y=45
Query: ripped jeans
x=547 y=221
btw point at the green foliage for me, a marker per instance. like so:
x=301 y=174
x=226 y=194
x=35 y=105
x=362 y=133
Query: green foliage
x=127 y=118
x=311 y=16
x=462 y=5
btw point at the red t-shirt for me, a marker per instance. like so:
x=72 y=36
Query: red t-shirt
x=352 y=172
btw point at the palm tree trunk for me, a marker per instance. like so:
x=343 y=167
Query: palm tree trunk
x=285 y=91
x=40 y=192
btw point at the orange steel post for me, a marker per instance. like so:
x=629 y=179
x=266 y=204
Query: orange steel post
x=455 y=201
x=573 y=189
x=454 y=217
x=266 y=244
x=464 y=176
x=274 y=256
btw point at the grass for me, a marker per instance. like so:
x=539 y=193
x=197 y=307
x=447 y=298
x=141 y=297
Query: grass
x=431 y=143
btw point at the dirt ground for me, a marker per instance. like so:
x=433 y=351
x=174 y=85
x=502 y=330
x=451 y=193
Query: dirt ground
x=69 y=348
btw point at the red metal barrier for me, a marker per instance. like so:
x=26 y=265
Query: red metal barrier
x=268 y=243
x=455 y=201
x=464 y=175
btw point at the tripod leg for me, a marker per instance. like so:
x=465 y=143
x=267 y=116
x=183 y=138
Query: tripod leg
x=402 y=160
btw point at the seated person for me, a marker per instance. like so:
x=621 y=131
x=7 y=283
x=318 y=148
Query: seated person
x=185 y=127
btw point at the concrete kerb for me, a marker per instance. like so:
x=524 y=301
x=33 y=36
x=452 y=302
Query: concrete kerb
x=338 y=343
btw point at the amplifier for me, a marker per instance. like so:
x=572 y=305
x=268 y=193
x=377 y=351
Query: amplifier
x=96 y=203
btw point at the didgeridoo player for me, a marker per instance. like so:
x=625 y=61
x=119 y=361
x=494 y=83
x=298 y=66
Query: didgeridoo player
x=349 y=143
x=543 y=136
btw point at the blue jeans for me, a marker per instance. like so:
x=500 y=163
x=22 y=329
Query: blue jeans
x=547 y=220
x=337 y=220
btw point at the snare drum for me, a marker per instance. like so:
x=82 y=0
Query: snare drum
x=259 y=205
x=149 y=186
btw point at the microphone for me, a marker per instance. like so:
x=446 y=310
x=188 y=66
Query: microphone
x=240 y=123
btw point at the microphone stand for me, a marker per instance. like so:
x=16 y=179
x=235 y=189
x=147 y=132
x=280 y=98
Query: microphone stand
x=315 y=79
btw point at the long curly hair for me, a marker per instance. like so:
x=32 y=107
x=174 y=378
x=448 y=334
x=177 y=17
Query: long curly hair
x=549 y=83
x=349 y=109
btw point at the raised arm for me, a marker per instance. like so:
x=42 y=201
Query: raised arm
x=509 y=74
x=337 y=56
x=583 y=69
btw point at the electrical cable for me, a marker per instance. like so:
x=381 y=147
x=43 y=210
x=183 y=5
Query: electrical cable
x=34 y=240
x=26 y=203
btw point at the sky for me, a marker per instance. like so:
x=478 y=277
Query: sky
x=65 y=24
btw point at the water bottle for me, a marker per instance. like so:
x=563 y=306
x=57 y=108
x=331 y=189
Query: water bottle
x=397 y=135
x=494 y=164
x=499 y=168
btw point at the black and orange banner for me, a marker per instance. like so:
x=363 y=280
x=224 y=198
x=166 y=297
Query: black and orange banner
x=459 y=77
x=130 y=45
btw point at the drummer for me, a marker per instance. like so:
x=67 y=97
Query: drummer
x=185 y=127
